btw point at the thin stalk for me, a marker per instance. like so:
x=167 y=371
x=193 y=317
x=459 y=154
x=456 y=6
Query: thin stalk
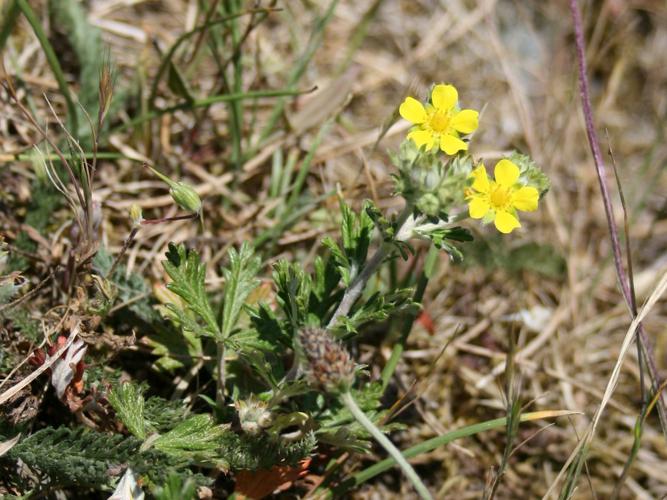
x=7 y=158
x=384 y=441
x=126 y=245
x=600 y=170
x=358 y=284
x=638 y=430
x=220 y=372
x=207 y=19
x=399 y=347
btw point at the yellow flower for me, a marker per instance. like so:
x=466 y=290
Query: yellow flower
x=440 y=122
x=499 y=199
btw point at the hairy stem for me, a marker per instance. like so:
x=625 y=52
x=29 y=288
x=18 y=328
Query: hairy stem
x=220 y=372
x=358 y=284
x=384 y=441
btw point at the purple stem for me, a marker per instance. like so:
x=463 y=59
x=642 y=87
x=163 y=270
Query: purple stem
x=613 y=230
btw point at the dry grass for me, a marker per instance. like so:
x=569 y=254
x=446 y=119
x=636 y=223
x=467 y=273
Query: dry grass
x=516 y=61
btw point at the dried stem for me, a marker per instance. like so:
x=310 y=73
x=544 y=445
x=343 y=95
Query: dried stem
x=593 y=141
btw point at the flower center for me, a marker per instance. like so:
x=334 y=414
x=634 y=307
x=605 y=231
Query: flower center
x=439 y=121
x=500 y=197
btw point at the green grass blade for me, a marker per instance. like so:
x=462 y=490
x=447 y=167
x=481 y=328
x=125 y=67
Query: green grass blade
x=52 y=59
x=10 y=15
x=432 y=444
x=299 y=69
x=207 y=101
x=167 y=59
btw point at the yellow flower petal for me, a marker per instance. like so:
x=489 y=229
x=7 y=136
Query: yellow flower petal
x=506 y=173
x=452 y=145
x=526 y=199
x=444 y=97
x=422 y=138
x=505 y=222
x=481 y=179
x=465 y=121
x=478 y=207
x=412 y=110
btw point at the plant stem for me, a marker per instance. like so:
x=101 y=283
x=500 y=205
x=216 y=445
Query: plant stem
x=625 y=282
x=126 y=244
x=220 y=372
x=384 y=441
x=358 y=284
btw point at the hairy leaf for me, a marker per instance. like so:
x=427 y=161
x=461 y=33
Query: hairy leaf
x=128 y=401
x=240 y=280
x=197 y=438
x=188 y=274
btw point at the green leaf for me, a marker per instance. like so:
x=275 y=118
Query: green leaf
x=249 y=340
x=128 y=401
x=243 y=451
x=188 y=274
x=240 y=280
x=197 y=438
x=80 y=457
x=441 y=237
x=270 y=327
x=356 y=232
x=324 y=291
x=379 y=307
x=294 y=287
x=177 y=83
x=177 y=488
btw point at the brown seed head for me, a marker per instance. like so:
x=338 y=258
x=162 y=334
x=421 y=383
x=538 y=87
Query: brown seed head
x=330 y=365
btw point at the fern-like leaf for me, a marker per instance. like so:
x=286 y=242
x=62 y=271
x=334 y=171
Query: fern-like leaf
x=240 y=280
x=188 y=274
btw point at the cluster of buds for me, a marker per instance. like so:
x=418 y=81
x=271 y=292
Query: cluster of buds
x=432 y=183
x=254 y=415
x=329 y=363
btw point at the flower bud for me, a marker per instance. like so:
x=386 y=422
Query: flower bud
x=254 y=415
x=329 y=364
x=183 y=194
x=186 y=197
x=428 y=204
x=136 y=215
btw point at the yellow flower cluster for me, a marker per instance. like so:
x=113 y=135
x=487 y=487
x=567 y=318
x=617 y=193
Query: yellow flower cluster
x=440 y=124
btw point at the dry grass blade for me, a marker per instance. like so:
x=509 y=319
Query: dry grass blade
x=589 y=435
